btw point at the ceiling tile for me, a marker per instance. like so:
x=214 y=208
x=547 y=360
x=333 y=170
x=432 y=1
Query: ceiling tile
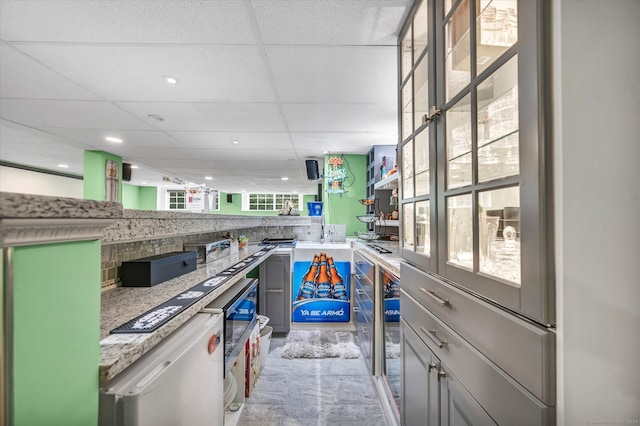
x=94 y=138
x=124 y=21
x=206 y=116
x=319 y=74
x=74 y=114
x=333 y=22
x=134 y=73
x=359 y=143
x=22 y=77
x=341 y=117
x=223 y=140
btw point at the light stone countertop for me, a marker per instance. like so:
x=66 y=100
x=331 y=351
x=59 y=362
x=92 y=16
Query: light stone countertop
x=122 y=304
x=389 y=261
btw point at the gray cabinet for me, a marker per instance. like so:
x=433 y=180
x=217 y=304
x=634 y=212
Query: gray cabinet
x=363 y=307
x=274 y=294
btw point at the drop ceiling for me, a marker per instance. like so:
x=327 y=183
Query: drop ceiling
x=288 y=79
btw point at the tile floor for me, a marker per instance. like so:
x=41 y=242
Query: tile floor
x=330 y=391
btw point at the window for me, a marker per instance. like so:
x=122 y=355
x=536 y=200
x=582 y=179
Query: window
x=177 y=200
x=269 y=202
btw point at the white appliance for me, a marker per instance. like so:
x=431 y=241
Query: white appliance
x=179 y=382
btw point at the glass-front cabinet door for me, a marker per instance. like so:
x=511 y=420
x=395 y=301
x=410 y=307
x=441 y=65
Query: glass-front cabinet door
x=473 y=192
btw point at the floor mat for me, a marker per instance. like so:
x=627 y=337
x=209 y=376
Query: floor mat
x=320 y=344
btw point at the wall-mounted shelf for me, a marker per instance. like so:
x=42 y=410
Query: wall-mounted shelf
x=390 y=182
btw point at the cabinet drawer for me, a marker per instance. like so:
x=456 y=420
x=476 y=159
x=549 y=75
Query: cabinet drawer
x=522 y=349
x=364 y=287
x=364 y=268
x=506 y=401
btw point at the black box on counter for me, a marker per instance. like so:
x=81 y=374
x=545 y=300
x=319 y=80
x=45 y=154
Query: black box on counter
x=149 y=271
x=210 y=250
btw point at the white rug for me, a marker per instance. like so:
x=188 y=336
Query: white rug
x=320 y=344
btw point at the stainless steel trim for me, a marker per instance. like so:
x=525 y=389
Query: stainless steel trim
x=433 y=336
x=275 y=291
x=364 y=330
x=355 y=309
x=360 y=292
x=432 y=294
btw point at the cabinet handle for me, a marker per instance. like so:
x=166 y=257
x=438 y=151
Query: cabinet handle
x=360 y=277
x=435 y=112
x=441 y=374
x=360 y=292
x=432 y=366
x=364 y=330
x=431 y=334
x=276 y=291
x=432 y=294
x=355 y=309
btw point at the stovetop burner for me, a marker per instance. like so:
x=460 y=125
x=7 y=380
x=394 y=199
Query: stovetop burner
x=280 y=242
x=379 y=249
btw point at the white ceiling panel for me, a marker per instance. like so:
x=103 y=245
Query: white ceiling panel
x=341 y=117
x=341 y=142
x=125 y=21
x=223 y=140
x=134 y=73
x=205 y=116
x=329 y=22
x=74 y=114
x=266 y=156
x=94 y=138
x=319 y=74
x=22 y=77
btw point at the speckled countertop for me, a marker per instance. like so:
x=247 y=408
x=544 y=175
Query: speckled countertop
x=122 y=304
x=389 y=261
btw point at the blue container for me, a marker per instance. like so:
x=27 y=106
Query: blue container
x=315 y=208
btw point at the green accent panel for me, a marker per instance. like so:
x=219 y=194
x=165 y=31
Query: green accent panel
x=254 y=273
x=139 y=197
x=130 y=196
x=343 y=208
x=56 y=333
x=148 y=198
x=94 y=184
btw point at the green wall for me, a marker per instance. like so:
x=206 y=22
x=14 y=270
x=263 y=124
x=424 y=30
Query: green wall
x=139 y=197
x=94 y=185
x=56 y=352
x=343 y=208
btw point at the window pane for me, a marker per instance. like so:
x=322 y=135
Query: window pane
x=407 y=109
x=457 y=71
x=423 y=230
x=420 y=30
x=407 y=49
x=496 y=30
x=460 y=230
x=407 y=226
x=458 y=140
x=407 y=170
x=498 y=141
x=421 y=91
x=421 y=150
x=499 y=219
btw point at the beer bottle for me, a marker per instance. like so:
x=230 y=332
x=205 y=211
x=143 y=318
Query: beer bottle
x=338 y=289
x=323 y=281
x=308 y=288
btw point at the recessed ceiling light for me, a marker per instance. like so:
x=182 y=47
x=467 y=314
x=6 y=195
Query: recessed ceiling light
x=113 y=139
x=144 y=183
x=64 y=166
x=156 y=117
x=170 y=79
x=235 y=142
x=284 y=178
x=326 y=152
x=133 y=166
x=208 y=177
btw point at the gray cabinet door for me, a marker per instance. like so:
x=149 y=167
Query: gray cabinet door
x=420 y=396
x=458 y=408
x=275 y=291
